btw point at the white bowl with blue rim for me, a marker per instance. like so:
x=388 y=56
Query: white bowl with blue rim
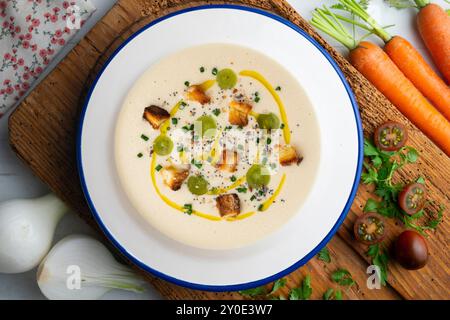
x=327 y=203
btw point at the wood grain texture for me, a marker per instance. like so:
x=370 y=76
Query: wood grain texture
x=43 y=130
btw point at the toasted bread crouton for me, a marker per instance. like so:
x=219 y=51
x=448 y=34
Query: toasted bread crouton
x=288 y=155
x=155 y=116
x=196 y=93
x=229 y=205
x=239 y=113
x=228 y=161
x=174 y=176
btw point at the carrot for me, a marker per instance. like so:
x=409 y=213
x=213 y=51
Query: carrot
x=408 y=60
x=378 y=68
x=416 y=69
x=434 y=28
x=381 y=71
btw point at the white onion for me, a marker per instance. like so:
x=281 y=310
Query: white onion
x=27 y=227
x=80 y=267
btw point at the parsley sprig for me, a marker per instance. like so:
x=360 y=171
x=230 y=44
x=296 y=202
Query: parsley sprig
x=324 y=255
x=379 y=170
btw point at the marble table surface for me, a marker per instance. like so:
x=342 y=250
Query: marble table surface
x=17 y=181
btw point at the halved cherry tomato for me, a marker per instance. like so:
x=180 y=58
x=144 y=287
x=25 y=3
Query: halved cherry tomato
x=412 y=198
x=369 y=228
x=390 y=136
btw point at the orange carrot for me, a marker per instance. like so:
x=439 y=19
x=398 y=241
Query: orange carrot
x=416 y=69
x=434 y=27
x=407 y=59
x=378 y=68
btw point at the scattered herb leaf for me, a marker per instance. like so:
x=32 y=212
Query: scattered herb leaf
x=303 y=292
x=324 y=255
x=280 y=283
x=342 y=277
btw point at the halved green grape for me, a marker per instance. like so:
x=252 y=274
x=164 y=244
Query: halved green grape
x=208 y=123
x=268 y=121
x=162 y=145
x=258 y=176
x=197 y=185
x=226 y=78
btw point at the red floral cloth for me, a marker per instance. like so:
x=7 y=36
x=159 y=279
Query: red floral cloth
x=31 y=33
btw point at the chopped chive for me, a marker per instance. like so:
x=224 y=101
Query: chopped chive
x=241 y=189
x=260 y=207
x=278 y=88
x=252 y=198
x=257 y=99
x=188 y=208
x=233 y=178
x=256 y=93
x=174 y=120
x=158 y=167
x=269 y=141
x=216 y=112
x=184 y=104
x=202 y=69
x=214 y=71
x=257 y=140
x=186 y=83
x=139 y=155
x=180 y=148
x=282 y=126
x=198 y=165
x=144 y=137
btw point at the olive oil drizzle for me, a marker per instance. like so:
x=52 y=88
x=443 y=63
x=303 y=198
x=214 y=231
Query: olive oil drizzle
x=259 y=77
x=266 y=204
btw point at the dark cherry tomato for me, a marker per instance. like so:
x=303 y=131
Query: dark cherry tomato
x=390 y=136
x=412 y=198
x=369 y=228
x=411 y=250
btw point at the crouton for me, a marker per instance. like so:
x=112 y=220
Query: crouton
x=196 y=93
x=228 y=161
x=288 y=155
x=239 y=113
x=174 y=176
x=229 y=205
x=155 y=116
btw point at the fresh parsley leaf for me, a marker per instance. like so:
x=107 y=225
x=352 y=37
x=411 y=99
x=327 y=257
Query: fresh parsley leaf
x=280 y=283
x=342 y=277
x=420 y=180
x=324 y=255
x=216 y=112
x=371 y=205
x=330 y=294
x=370 y=149
x=303 y=292
x=254 y=292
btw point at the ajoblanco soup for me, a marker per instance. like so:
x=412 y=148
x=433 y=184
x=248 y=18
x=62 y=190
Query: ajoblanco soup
x=217 y=146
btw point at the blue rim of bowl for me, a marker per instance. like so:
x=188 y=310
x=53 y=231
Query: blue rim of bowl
x=306 y=258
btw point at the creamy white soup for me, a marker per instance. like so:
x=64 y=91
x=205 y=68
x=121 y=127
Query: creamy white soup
x=217 y=146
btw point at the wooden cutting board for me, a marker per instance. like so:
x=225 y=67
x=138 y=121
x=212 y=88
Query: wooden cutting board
x=43 y=130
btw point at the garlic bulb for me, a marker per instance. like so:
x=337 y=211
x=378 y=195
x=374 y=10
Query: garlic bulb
x=26 y=231
x=80 y=267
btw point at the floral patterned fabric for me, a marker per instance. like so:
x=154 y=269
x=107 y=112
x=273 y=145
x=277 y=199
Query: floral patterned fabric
x=31 y=33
